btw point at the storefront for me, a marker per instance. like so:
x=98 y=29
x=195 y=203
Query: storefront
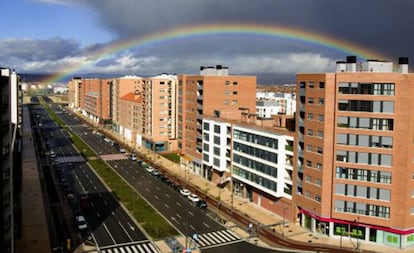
x=356 y=231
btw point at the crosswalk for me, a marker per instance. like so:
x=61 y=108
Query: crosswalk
x=146 y=247
x=112 y=157
x=70 y=159
x=214 y=238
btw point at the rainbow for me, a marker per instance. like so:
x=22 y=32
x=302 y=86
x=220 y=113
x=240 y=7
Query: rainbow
x=272 y=31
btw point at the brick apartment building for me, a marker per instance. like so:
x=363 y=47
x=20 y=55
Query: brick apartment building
x=213 y=93
x=355 y=150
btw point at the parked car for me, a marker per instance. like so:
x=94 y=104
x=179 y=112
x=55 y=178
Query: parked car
x=133 y=157
x=155 y=173
x=185 y=192
x=122 y=150
x=81 y=223
x=193 y=198
x=52 y=154
x=149 y=169
x=84 y=201
x=201 y=204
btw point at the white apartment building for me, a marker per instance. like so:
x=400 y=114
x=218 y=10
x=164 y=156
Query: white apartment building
x=257 y=160
x=274 y=103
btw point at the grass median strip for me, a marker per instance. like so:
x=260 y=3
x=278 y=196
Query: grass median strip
x=154 y=224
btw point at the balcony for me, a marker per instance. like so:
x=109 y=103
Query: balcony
x=289 y=148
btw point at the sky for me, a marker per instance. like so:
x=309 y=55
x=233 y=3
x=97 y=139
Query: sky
x=136 y=37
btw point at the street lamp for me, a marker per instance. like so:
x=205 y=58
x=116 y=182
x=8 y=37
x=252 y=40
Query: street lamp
x=284 y=220
x=357 y=235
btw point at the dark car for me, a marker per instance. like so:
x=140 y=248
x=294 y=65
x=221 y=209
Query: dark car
x=201 y=204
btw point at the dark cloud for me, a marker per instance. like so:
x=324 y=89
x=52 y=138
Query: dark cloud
x=38 y=50
x=381 y=25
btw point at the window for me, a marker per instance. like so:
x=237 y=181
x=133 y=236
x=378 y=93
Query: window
x=309 y=148
x=310 y=132
x=319 y=166
x=235 y=92
x=321 y=117
x=311 y=85
x=320 y=150
x=321 y=101
x=321 y=85
x=320 y=134
x=234 y=102
x=216 y=140
x=235 y=83
x=226 y=82
x=310 y=116
x=310 y=100
x=217 y=129
x=318 y=182
x=318 y=198
x=308 y=179
x=308 y=163
x=217 y=114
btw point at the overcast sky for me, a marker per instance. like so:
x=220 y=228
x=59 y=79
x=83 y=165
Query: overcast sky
x=47 y=36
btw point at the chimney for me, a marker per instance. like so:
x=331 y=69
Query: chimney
x=403 y=61
x=351 y=63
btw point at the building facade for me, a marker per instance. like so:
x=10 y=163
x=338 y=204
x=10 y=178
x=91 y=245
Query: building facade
x=276 y=104
x=253 y=159
x=213 y=93
x=95 y=100
x=11 y=113
x=354 y=153
x=119 y=88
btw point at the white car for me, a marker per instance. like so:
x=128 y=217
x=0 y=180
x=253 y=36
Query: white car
x=185 y=192
x=193 y=198
x=133 y=157
x=52 y=154
x=150 y=169
x=81 y=222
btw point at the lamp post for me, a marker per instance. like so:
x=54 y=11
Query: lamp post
x=284 y=220
x=357 y=235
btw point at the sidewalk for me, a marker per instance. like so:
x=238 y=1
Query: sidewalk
x=35 y=235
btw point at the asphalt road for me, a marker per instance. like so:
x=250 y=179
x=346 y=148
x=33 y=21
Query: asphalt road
x=109 y=224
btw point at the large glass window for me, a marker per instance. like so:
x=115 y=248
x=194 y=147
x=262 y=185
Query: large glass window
x=375 y=176
x=255 y=165
x=366 y=123
x=364 y=158
x=383 y=89
x=366 y=106
x=257 y=139
x=365 y=140
x=269 y=184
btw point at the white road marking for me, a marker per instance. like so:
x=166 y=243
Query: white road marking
x=126 y=232
x=107 y=230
